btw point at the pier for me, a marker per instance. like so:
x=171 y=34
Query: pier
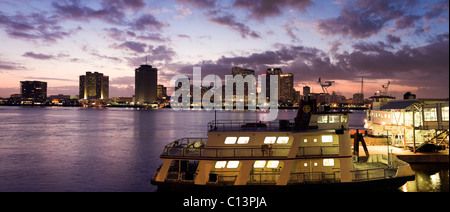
x=408 y=156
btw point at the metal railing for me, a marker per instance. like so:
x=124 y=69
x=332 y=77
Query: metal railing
x=224 y=152
x=243 y=125
x=314 y=177
x=318 y=151
x=369 y=174
x=263 y=178
x=195 y=148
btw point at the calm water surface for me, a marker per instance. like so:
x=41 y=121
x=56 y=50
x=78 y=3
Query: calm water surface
x=116 y=149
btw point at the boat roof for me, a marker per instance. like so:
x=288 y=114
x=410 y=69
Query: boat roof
x=398 y=104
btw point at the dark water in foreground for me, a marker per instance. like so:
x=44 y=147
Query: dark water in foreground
x=117 y=149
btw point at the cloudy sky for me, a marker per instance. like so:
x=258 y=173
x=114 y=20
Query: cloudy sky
x=403 y=41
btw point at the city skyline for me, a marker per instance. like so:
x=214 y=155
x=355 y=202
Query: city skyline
x=405 y=42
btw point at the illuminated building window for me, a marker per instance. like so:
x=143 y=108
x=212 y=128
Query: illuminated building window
x=445 y=113
x=322 y=119
x=328 y=162
x=283 y=140
x=273 y=164
x=334 y=119
x=430 y=114
x=270 y=140
x=327 y=139
x=243 y=140
x=259 y=164
x=305 y=164
x=220 y=164
x=305 y=140
x=232 y=164
x=315 y=164
x=230 y=140
x=315 y=140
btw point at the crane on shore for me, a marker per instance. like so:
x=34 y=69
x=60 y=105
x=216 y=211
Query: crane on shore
x=325 y=85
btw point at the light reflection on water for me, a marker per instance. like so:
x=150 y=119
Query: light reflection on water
x=114 y=149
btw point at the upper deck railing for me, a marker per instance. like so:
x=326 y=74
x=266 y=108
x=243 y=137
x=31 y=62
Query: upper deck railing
x=250 y=125
x=194 y=148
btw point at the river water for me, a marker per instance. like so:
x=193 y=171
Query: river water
x=117 y=149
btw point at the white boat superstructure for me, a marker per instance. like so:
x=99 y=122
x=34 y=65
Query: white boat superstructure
x=272 y=155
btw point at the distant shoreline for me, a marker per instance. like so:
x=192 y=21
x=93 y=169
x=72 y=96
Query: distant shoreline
x=147 y=107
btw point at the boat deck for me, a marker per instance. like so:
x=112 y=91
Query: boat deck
x=408 y=156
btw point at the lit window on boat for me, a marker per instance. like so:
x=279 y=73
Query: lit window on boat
x=230 y=140
x=259 y=164
x=270 y=140
x=283 y=140
x=322 y=119
x=273 y=164
x=327 y=139
x=328 y=162
x=220 y=164
x=344 y=119
x=232 y=164
x=334 y=119
x=243 y=140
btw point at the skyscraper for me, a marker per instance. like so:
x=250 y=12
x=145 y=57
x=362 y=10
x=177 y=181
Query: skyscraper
x=269 y=72
x=286 y=88
x=242 y=71
x=34 y=91
x=94 y=86
x=146 y=82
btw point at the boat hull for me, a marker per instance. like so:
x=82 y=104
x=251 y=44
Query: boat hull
x=390 y=184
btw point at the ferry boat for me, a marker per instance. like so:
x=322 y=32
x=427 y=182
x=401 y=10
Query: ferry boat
x=312 y=152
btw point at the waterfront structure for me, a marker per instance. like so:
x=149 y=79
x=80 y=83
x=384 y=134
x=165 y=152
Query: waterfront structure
x=146 y=81
x=94 y=86
x=311 y=153
x=411 y=123
x=33 y=91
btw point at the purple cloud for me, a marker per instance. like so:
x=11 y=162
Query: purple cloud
x=230 y=21
x=147 y=22
x=38 y=56
x=36 y=26
x=261 y=9
x=134 y=46
x=365 y=18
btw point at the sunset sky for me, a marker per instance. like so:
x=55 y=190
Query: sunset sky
x=403 y=41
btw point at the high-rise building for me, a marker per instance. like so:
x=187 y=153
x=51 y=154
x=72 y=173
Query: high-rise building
x=269 y=72
x=161 y=92
x=146 y=82
x=34 y=91
x=306 y=92
x=242 y=71
x=286 y=87
x=358 y=99
x=94 y=86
